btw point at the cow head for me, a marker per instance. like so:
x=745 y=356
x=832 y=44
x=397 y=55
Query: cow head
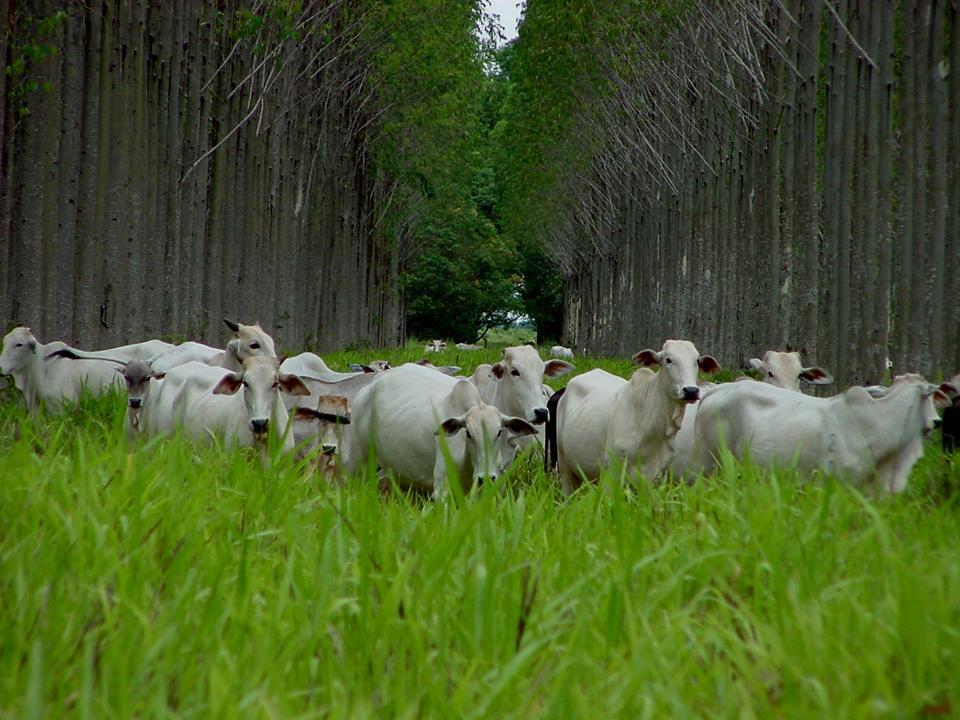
x=520 y=376
x=249 y=341
x=488 y=440
x=932 y=397
x=784 y=370
x=262 y=382
x=331 y=412
x=137 y=375
x=679 y=361
x=19 y=349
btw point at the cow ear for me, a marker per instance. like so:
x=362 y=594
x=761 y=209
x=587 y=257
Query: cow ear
x=816 y=376
x=497 y=370
x=292 y=385
x=232 y=325
x=647 y=358
x=708 y=364
x=452 y=426
x=556 y=368
x=876 y=391
x=518 y=426
x=757 y=364
x=950 y=390
x=464 y=395
x=941 y=399
x=229 y=384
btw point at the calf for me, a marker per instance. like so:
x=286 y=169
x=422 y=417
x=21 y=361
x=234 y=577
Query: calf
x=55 y=381
x=602 y=417
x=406 y=416
x=326 y=422
x=867 y=440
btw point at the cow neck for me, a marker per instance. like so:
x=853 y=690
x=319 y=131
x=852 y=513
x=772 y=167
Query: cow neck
x=653 y=408
x=29 y=378
x=885 y=422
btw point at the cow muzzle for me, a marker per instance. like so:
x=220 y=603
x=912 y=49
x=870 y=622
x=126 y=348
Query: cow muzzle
x=690 y=393
x=540 y=415
x=260 y=427
x=135 y=403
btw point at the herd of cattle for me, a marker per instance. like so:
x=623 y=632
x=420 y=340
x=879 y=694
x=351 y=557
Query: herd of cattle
x=419 y=421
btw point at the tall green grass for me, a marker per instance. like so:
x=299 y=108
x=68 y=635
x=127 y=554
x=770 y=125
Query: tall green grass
x=173 y=580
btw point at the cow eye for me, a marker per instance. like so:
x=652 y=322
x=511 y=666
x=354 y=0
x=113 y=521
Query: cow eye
x=254 y=346
x=769 y=374
x=669 y=361
x=19 y=344
x=515 y=372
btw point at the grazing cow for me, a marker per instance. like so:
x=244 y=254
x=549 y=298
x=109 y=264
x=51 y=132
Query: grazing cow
x=55 y=381
x=243 y=407
x=435 y=346
x=325 y=423
x=467 y=346
x=515 y=384
x=784 y=369
x=559 y=351
x=870 y=437
x=950 y=429
x=780 y=369
x=405 y=414
x=602 y=416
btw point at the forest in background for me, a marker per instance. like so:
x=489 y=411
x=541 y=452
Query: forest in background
x=749 y=175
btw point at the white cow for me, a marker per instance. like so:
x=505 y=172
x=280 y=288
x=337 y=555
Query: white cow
x=780 y=369
x=406 y=413
x=559 y=351
x=55 y=381
x=435 y=346
x=784 y=370
x=602 y=417
x=467 y=346
x=515 y=384
x=241 y=407
x=870 y=441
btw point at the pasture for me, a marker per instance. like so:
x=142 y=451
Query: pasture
x=169 y=579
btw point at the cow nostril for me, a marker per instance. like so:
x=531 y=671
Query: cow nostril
x=259 y=426
x=691 y=392
x=541 y=415
x=136 y=402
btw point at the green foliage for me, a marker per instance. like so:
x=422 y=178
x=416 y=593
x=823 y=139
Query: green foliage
x=31 y=42
x=170 y=579
x=460 y=272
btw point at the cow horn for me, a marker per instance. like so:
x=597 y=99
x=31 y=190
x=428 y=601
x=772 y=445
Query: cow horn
x=232 y=325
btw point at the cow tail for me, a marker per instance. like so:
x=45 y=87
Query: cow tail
x=550 y=439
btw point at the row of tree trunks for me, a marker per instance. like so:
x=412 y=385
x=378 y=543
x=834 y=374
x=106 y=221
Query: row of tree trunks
x=174 y=171
x=823 y=215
